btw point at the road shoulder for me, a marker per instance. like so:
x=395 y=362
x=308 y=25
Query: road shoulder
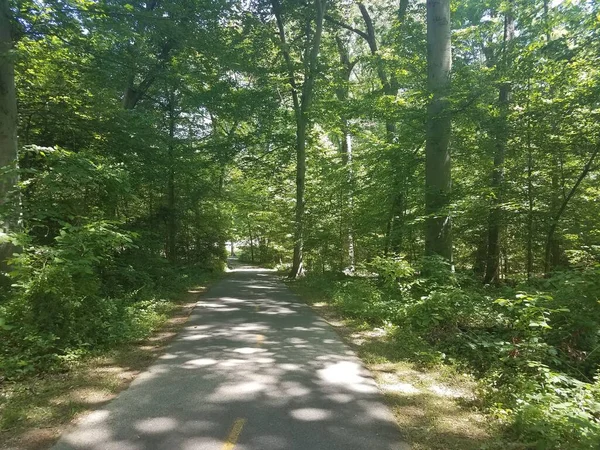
x=435 y=406
x=38 y=410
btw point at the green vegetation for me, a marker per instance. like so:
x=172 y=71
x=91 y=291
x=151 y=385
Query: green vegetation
x=444 y=156
x=531 y=348
x=35 y=409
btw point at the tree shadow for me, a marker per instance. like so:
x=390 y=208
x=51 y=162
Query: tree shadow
x=250 y=351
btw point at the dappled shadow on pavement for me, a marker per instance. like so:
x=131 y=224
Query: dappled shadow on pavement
x=251 y=354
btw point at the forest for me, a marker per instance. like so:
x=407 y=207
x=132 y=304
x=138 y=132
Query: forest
x=429 y=166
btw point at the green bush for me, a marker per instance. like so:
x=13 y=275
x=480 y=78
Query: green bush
x=392 y=270
x=549 y=410
x=358 y=299
x=536 y=349
x=57 y=307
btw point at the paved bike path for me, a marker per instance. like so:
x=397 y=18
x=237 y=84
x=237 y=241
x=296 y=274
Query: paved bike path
x=253 y=369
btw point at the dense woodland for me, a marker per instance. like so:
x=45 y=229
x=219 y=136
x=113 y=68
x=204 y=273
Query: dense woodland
x=429 y=165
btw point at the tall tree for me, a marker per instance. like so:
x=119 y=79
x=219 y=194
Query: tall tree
x=302 y=97
x=438 y=180
x=171 y=116
x=389 y=87
x=497 y=186
x=342 y=94
x=8 y=121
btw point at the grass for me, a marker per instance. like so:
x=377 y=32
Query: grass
x=435 y=405
x=34 y=411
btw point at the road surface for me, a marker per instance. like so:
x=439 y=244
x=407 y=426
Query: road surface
x=253 y=369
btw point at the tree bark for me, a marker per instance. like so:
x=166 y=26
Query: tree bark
x=495 y=216
x=402 y=7
x=348 y=194
x=251 y=236
x=395 y=235
x=297 y=261
x=530 y=200
x=438 y=181
x=553 y=251
x=8 y=127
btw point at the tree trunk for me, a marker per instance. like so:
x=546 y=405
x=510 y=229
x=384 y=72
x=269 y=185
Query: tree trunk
x=495 y=215
x=480 y=256
x=171 y=207
x=553 y=251
x=395 y=228
x=553 y=254
x=131 y=96
x=302 y=104
x=171 y=219
x=347 y=196
x=297 y=262
x=438 y=181
x=250 y=235
x=530 y=202
x=402 y=7
x=8 y=126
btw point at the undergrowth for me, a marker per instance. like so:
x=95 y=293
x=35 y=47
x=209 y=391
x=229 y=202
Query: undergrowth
x=79 y=283
x=89 y=291
x=534 y=347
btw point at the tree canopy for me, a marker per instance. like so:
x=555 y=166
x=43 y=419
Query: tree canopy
x=459 y=138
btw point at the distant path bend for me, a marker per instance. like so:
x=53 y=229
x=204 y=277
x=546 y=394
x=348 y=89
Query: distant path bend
x=254 y=369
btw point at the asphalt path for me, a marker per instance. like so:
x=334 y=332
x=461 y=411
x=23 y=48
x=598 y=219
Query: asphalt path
x=253 y=369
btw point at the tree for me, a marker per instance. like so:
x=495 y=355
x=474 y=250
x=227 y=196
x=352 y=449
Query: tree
x=389 y=87
x=497 y=186
x=342 y=94
x=8 y=125
x=302 y=97
x=438 y=181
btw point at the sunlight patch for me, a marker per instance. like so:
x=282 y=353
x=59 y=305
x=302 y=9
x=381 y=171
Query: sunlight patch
x=404 y=388
x=156 y=425
x=201 y=362
x=249 y=350
x=310 y=414
x=445 y=391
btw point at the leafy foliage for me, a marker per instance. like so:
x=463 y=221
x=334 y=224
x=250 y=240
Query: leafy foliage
x=536 y=373
x=151 y=134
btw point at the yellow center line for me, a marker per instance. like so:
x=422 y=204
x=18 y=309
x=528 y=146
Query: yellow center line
x=234 y=434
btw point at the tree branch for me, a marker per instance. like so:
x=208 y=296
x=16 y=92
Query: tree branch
x=362 y=34
x=286 y=54
x=586 y=169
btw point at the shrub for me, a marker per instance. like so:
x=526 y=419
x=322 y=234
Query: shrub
x=536 y=350
x=392 y=270
x=57 y=307
x=358 y=299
